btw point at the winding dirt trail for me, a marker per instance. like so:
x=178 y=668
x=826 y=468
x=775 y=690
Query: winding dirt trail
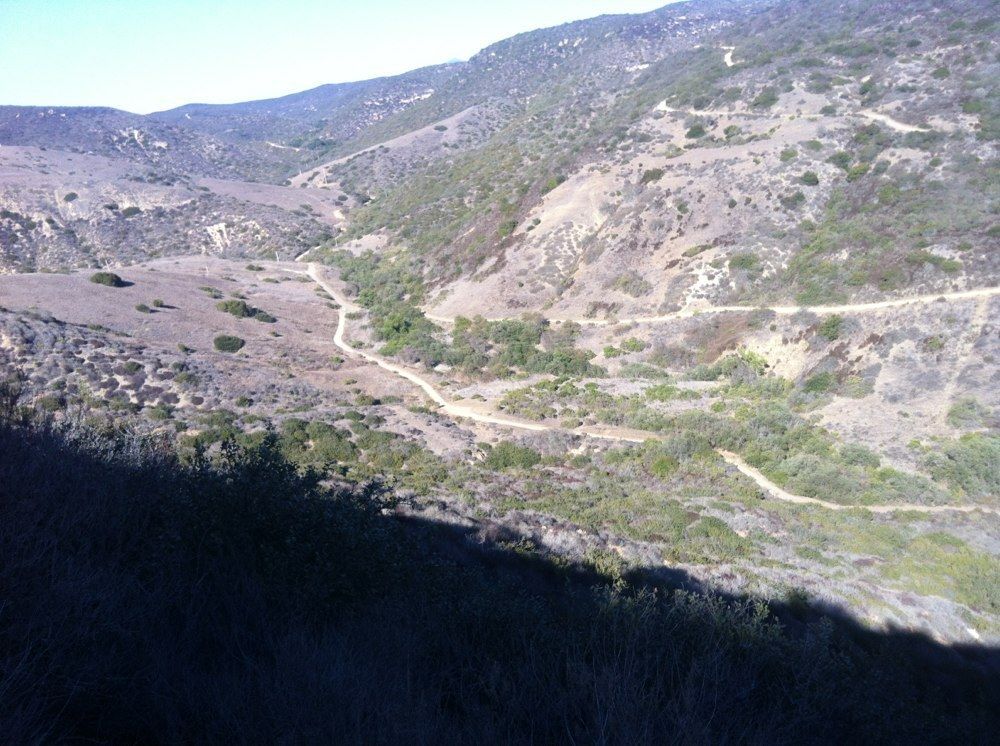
x=766 y=484
x=460 y=411
x=449 y=408
x=978 y=293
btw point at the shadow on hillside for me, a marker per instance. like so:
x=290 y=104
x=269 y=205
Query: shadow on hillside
x=145 y=600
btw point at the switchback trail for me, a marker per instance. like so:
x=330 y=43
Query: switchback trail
x=597 y=432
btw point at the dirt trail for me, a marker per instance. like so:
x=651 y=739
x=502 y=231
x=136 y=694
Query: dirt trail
x=979 y=293
x=597 y=432
x=454 y=410
x=766 y=484
x=892 y=123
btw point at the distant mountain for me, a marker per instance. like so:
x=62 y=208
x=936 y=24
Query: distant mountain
x=716 y=150
x=136 y=138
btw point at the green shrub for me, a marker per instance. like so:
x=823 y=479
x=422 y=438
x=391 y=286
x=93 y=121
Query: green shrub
x=745 y=261
x=143 y=308
x=70 y=197
x=695 y=131
x=831 y=326
x=820 y=383
x=765 y=99
x=51 y=403
x=793 y=200
x=968 y=464
x=110 y=279
x=509 y=455
x=967 y=413
x=650 y=175
x=237 y=308
x=663 y=465
x=241 y=310
x=552 y=182
x=506 y=228
x=857 y=171
x=841 y=159
x=227 y=343
x=809 y=178
x=857 y=455
x=129 y=212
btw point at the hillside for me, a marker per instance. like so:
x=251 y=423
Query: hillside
x=675 y=332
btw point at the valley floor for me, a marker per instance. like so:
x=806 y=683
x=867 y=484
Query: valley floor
x=760 y=534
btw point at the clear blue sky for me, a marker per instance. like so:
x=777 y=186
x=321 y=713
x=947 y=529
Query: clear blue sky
x=147 y=55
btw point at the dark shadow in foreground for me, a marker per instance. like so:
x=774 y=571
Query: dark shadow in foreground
x=145 y=600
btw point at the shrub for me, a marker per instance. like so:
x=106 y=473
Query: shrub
x=744 y=260
x=857 y=455
x=110 y=279
x=158 y=303
x=51 y=403
x=695 y=131
x=237 y=308
x=70 y=197
x=765 y=99
x=227 y=343
x=129 y=212
x=841 y=159
x=968 y=464
x=506 y=228
x=831 y=326
x=508 y=455
x=857 y=171
x=793 y=200
x=819 y=383
x=552 y=183
x=143 y=308
x=242 y=310
x=967 y=413
x=650 y=175
x=809 y=178
x=663 y=466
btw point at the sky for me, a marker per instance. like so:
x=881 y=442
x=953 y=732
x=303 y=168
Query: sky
x=149 y=55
